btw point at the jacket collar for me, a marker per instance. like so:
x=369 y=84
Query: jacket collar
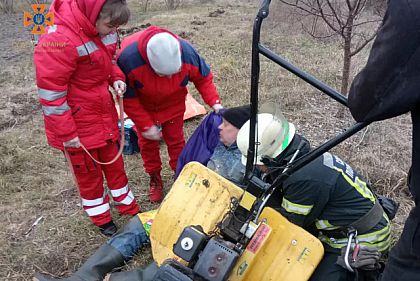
x=288 y=153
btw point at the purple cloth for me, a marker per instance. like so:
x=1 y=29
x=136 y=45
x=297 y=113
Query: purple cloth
x=200 y=146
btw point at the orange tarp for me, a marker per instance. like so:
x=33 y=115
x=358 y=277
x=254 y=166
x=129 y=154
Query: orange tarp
x=192 y=108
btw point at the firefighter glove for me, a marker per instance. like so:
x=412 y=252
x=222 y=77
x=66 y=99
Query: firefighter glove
x=366 y=259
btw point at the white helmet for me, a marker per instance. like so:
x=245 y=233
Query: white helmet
x=273 y=134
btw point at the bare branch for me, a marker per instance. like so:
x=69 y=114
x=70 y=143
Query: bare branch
x=341 y=17
x=363 y=44
x=313 y=32
x=309 y=10
x=366 y=22
x=334 y=11
x=349 y=5
x=360 y=6
x=331 y=25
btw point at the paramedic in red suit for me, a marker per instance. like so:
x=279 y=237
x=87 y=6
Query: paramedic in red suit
x=74 y=69
x=158 y=66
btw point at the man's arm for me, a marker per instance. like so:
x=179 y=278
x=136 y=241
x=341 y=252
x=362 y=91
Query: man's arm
x=128 y=59
x=389 y=84
x=302 y=201
x=135 y=110
x=55 y=61
x=200 y=74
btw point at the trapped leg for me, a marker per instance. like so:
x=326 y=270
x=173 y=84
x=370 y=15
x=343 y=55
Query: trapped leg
x=130 y=239
x=139 y=274
x=103 y=261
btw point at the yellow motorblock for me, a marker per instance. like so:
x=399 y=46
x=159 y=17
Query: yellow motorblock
x=279 y=250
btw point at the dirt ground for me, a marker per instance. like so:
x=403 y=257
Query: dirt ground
x=35 y=184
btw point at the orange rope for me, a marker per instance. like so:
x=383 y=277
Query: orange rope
x=121 y=108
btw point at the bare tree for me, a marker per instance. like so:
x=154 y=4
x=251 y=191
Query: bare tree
x=145 y=4
x=349 y=19
x=172 y=4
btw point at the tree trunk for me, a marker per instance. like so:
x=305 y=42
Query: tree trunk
x=345 y=73
x=146 y=5
x=346 y=66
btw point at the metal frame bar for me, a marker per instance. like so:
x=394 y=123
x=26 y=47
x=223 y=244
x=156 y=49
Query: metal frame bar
x=258 y=49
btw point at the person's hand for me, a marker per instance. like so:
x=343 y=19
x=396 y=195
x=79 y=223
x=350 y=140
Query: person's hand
x=73 y=143
x=217 y=107
x=120 y=87
x=153 y=133
x=367 y=258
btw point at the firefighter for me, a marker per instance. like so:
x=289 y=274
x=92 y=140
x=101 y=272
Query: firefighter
x=158 y=66
x=326 y=197
x=388 y=86
x=74 y=69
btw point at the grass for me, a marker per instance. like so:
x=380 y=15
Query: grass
x=35 y=181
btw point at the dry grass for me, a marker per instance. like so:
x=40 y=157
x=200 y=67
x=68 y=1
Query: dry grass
x=34 y=179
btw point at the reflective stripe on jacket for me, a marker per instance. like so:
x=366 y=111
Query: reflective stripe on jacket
x=74 y=69
x=326 y=196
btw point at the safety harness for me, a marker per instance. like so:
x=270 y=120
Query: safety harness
x=362 y=225
x=369 y=220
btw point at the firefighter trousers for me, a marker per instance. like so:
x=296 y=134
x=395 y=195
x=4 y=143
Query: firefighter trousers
x=329 y=270
x=404 y=258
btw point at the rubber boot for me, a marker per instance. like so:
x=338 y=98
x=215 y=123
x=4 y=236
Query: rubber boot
x=156 y=188
x=108 y=229
x=146 y=274
x=103 y=261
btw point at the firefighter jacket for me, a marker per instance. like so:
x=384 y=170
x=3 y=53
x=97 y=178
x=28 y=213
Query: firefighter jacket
x=389 y=85
x=74 y=69
x=152 y=99
x=326 y=196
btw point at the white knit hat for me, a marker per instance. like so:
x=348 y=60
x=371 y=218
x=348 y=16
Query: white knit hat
x=164 y=53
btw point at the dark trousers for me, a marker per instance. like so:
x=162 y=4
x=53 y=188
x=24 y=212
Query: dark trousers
x=404 y=258
x=328 y=270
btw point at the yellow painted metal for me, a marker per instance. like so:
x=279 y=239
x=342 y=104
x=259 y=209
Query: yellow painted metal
x=247 y=201
x=199 y=196
x=278 y=251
